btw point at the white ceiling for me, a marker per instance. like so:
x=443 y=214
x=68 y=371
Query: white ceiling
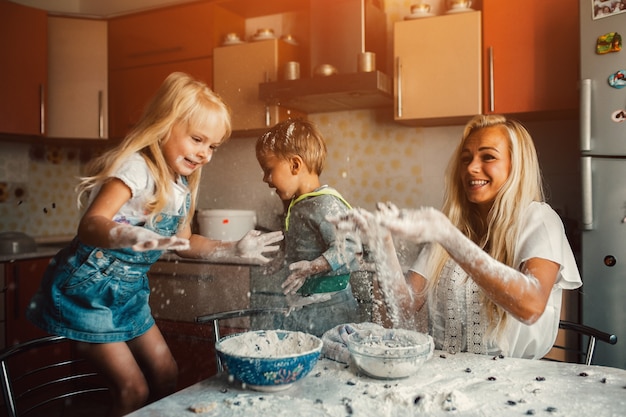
x=96 y=8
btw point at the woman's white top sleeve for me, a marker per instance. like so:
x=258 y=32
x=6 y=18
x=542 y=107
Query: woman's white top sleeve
x=542 y=236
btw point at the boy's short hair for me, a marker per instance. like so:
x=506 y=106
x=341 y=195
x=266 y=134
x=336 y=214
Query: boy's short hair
x=294 y=137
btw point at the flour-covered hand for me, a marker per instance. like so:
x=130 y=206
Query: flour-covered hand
x=254 y=244
x=419 y=226
x=300 y=271
x=141 y=239
x=362 y=222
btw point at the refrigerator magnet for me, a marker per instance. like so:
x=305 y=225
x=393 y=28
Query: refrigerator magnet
x=609 y=42
x=618 y=79
x=618 y=116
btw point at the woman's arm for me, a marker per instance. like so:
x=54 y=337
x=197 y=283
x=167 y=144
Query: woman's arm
x=402 y=296
x=523 y=293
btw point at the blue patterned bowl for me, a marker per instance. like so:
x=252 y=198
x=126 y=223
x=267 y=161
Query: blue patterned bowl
x=269 y=360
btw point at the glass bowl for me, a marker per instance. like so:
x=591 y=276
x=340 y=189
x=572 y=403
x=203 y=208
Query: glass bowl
x=389 y=353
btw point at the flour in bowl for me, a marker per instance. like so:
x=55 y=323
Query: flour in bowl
x=270 y=344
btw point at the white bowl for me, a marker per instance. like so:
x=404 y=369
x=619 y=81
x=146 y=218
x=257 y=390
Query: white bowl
x=390 y=353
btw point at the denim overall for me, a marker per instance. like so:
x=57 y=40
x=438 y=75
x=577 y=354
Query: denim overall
x=100 y=295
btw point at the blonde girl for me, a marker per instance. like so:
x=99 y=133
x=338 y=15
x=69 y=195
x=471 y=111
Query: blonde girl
x=141 y=196
x=493 y=282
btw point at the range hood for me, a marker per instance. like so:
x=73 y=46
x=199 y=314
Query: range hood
x=340 y=31
x=337 y=92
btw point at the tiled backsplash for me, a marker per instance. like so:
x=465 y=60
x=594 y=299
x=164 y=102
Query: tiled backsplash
x=37 y=185
x=369 y=160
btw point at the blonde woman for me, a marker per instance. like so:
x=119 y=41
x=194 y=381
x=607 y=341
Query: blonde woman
x=493 y=263
x=141 y=200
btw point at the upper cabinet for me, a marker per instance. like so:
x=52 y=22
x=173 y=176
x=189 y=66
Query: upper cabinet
x=145 y=47
x=238 y=84
x=438 y=69
x=530 y=56
x=77 y=78
x=23 y=71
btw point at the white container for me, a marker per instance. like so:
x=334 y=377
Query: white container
x=228 y=225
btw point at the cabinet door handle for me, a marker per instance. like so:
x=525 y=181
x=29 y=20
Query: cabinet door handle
x=42 y=109
x=398 y=88
x=100 y=116
x=587 y=192
x=492 y=95
x=16 y=292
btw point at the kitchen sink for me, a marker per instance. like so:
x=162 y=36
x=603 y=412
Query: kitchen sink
x=16 y=242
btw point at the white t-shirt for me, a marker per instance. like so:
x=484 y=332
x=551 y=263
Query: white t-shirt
x=542 y=236
x=134 y=172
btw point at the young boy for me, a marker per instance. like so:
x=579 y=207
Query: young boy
x=316 y=268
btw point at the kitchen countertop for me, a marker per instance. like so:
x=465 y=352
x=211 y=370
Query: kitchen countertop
x=448 y=384
x=43 y=251
x=49 y=248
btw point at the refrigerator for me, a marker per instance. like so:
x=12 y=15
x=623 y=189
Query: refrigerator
x=603 y=172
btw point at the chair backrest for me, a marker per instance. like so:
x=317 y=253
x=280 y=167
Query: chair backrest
x=585 y=342
x=225 y=315
x=43 y=376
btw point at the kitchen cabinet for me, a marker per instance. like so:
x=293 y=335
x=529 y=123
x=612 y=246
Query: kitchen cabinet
x=438 y=69
x=530 y=56
x=238 y=82
x=145 y=47
x=22 y=280
x=130 y=89
x=181 y=291
x=77 y=78
x=169 y=34
x=23 y=72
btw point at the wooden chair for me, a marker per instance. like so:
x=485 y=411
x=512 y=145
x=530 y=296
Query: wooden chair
x=585 y=341
x=225 y=315
x=43 y=377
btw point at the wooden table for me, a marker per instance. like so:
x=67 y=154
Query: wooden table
x=447 y=385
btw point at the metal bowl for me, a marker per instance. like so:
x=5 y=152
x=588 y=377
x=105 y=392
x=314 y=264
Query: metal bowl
x=269 y=360
x=16 y=242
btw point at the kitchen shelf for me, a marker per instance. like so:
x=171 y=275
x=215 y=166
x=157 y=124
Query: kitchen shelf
x=337 y=92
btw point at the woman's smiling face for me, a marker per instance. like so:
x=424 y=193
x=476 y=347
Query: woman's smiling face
x=486 y=165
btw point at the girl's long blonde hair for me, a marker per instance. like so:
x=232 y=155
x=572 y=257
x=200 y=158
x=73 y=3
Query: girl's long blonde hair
x=180 y=100
x=498 y=235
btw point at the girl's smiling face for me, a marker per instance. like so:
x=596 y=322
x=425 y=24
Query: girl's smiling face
x=189 y=148
x=486 y=165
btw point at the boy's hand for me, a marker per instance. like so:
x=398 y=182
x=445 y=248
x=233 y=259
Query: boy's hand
x=141 y=239
x=301 y=270
x=254 y=244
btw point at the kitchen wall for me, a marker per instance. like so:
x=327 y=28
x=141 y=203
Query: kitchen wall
x=371 y=158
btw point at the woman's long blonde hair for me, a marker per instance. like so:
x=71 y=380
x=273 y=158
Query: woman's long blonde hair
x=180 y=100
x=498 y=235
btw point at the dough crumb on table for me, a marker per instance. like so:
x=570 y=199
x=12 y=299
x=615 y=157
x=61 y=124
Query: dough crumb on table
x=203 y=407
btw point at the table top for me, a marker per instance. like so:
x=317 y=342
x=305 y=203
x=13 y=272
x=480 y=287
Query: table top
x=463 y=383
